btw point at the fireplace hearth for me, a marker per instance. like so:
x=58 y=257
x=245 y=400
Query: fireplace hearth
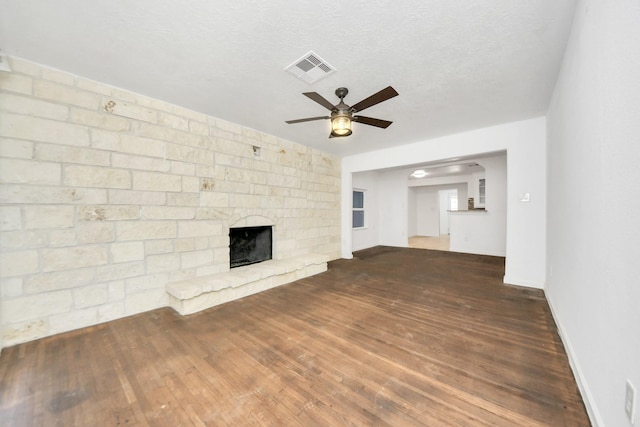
x=249 y=245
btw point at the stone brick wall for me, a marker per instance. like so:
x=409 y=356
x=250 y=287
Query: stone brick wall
x=107 y=195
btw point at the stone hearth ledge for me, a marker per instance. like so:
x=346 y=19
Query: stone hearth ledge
x=200 y=293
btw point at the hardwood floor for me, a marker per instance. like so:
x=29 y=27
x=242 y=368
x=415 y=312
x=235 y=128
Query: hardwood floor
x=394 y=337
x=440 y=243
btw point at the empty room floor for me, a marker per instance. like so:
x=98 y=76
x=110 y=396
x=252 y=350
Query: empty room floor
x=393 y=337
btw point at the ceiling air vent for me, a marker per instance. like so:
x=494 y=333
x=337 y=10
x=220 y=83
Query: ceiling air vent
x=310 y=68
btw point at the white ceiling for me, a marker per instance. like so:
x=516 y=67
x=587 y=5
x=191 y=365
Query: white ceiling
x=457 y=65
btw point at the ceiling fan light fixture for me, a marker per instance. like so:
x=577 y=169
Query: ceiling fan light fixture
x=340 y=125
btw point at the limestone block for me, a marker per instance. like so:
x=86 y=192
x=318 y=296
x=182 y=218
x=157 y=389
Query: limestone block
x=49 y=216
x=124 y=95
x=214 y=199
x=126 y=161
x=33 y=107
x=108 y=273
x=233 y=128
x=16 y=148
x=99 y=119
x=73 y=258
x=10 y=218
x=173 y=121
x=148 y=130
x=126 y=197
x=185 y=153
x=62 y=238
x=22 y=239
x=67 y=154
x=18 y=263
x=116 y=290
x=58 y=76
x=94 y=232
x=16 y=333
x=199 y=228
x=132 y=111
x=163 y=263
x=153 y=247
x=108 y=212
x=92 y=176
x=145 y=301
x=199 y=128
x=150 y=181
x=93 y=86
x=29 y=172
x=185 y=245
x=47 y=282
x=16 y=83
x=183 y=168
x=73 y=320
x=190 y=114
x=196 y=258
x=183 y=199
x=89 y=296
x=136 y=230
x=193 y=140
x=11 y=287
x=108 y=312
x=65 y=94
x=37 y=306
x=211 y=213
x=190 y=184
x=168 y=212
x=125 y=252
x=150 y=281
x=245 y=201
x=127 y=143
x=283 y=181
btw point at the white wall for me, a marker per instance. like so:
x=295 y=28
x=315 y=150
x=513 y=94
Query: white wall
x=393 y=205
x=594 y=205
x=366 y=237
x=484 y=232
x=412 y=208
x=427 y=211
x=525 y=143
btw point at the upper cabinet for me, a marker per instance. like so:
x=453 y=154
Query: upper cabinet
x=481 y=192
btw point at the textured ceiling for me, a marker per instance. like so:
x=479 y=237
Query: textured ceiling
x=458 y=65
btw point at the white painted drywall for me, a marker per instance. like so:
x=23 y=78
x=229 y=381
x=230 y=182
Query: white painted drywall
x=428 y=212
x=445 y=196
x=412 y=211
x=593 y=246
x=393 y=208
x=484 y=232
x=524 y=142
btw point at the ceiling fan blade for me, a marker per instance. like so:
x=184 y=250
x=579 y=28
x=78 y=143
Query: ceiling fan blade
x=372 y=122
x=315 y=96
x=308 y=119
x=376 y=98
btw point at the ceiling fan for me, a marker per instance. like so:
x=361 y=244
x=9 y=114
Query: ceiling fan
x=342 y=115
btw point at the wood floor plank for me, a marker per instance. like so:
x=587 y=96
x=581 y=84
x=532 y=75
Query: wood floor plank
x=393 y=337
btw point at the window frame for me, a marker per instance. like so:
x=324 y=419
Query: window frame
x=355 y=209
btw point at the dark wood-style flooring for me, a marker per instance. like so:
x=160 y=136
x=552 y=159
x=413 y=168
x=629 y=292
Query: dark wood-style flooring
x=394 y=337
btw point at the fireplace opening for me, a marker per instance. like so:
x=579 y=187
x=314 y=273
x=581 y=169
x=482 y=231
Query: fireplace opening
x=249 y=245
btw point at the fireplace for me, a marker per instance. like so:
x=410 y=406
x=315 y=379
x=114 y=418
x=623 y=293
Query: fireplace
x=249 y=245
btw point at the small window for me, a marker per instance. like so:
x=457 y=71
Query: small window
x=358 y=209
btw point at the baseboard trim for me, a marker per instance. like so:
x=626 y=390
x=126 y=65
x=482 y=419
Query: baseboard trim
x=521 y=282
x=583 y=386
